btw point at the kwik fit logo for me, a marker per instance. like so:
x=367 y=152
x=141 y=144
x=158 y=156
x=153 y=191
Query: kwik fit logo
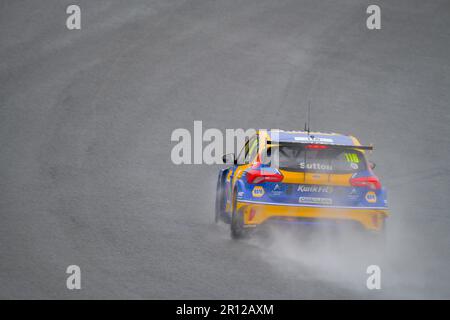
x=321 y=189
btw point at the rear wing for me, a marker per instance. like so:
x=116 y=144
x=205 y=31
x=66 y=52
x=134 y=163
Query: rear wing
x=329 y=145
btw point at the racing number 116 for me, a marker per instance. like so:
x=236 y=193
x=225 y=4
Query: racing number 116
x=351 y=157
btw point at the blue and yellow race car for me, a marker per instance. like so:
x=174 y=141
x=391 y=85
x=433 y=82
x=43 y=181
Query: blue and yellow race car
x=300 y=177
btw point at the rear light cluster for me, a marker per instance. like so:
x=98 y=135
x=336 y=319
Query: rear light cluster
x=260 y=174
x=370 y=182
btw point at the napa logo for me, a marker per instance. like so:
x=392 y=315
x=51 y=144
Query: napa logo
x=371 y=197
x=258 y=192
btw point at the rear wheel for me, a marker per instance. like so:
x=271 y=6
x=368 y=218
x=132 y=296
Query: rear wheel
x=237 y=222
x=220 y=202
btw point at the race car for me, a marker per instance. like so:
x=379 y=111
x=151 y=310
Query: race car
x=300 y=177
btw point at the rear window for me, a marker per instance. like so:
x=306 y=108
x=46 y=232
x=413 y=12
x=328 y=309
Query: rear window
x=297 y=158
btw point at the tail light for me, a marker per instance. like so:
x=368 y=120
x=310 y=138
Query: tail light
x=259 y=175
x=371 y=182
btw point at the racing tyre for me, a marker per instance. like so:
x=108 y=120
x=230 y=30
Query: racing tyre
x=220 y=202
x=237 y=223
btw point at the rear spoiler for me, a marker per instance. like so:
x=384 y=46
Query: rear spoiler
x=330 y=145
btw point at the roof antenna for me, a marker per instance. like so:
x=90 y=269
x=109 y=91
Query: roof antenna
x=307 y=129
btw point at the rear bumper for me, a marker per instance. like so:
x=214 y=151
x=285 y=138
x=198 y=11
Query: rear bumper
x=257 y=214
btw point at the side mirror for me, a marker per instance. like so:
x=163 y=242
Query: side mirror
x=229 y=158
x=372 y=165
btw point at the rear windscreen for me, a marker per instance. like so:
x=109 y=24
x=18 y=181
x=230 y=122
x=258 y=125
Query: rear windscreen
x=297 y=158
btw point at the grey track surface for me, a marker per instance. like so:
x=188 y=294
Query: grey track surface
x=86 y=118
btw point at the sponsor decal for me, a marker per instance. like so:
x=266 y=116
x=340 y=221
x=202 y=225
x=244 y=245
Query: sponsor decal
x=354 y=166
x=313 y=188
x=276 y=190
x=258 y=192
x=353 y=195
x=314 y=139
x=371 y=197
x=315 y=166
x=315 y=200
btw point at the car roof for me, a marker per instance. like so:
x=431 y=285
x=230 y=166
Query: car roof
x=276 y=135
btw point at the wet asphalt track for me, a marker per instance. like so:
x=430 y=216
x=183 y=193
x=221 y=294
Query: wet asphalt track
x=85 y=124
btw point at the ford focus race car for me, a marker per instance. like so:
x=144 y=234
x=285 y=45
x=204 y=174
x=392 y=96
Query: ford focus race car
x=300 y=178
